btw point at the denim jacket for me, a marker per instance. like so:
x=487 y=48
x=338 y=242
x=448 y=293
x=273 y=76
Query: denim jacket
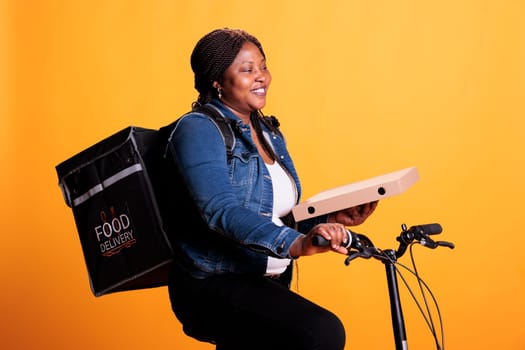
x=233 y=196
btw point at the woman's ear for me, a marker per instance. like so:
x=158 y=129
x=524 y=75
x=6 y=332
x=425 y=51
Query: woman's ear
x=216 y=84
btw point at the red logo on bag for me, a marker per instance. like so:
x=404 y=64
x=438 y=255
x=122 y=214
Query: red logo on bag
x=115 y=233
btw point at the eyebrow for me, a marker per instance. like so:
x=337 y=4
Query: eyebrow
x=253 y=62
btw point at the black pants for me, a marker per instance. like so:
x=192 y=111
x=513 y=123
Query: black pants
x=251 y=312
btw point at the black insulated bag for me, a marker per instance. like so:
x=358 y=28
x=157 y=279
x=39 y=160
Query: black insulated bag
x=109 y=186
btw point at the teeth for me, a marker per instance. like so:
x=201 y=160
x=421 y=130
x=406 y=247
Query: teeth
x=259 y=91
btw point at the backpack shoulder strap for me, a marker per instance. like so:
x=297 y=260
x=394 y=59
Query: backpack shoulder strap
x=225 y=125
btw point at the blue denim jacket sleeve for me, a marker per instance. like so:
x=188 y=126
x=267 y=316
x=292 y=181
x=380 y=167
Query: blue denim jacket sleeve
x=215 y=185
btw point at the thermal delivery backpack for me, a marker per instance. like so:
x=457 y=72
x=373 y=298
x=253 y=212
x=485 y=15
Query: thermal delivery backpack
x=113 y=189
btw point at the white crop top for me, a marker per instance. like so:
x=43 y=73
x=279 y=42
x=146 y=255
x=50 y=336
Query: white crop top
x=283 y=202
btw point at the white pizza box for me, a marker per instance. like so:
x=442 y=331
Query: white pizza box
x=353 y=194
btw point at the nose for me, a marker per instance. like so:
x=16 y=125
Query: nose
x=260 y=75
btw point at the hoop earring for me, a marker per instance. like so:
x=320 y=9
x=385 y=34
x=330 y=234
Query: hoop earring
x=219 y=92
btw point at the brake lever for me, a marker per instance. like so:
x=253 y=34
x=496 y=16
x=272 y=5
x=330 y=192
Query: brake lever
x=446 y=244
x=365 y=253
x=429 y=243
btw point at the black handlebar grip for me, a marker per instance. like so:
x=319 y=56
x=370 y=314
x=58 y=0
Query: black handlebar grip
x=320 y=241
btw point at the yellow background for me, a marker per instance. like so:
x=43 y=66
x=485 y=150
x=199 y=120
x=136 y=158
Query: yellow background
x=360 y=87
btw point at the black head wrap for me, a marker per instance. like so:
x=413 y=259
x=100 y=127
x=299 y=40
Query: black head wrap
x=212 y=56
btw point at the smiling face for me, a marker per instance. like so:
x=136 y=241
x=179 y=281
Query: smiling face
x=245 y=82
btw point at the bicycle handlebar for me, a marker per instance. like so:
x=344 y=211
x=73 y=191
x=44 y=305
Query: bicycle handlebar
x=362 y=247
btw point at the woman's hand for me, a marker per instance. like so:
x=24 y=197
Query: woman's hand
x=353 y=216
x=333 y=232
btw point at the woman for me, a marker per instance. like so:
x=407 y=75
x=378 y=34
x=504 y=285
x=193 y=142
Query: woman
x=230 y=282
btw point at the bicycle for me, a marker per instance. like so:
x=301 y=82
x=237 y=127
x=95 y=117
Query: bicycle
x=360 y=246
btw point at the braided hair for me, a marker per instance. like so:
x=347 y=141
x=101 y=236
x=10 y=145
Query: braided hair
x=212 y=56
x=210 y=59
